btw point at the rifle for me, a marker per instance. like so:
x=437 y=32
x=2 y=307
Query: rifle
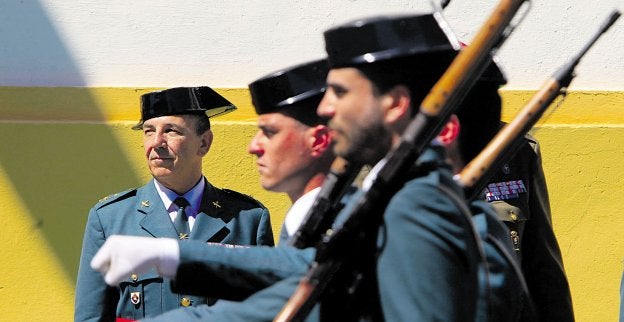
x=507 y=141
x=434 y=110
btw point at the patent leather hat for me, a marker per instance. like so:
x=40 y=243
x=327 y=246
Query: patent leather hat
x=183 y=100
x=387 y=37
x=493 y=73
x=289 y=87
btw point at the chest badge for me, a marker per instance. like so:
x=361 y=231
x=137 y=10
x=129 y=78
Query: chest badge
x=135 y=298
x=145 y=203
x=216 y=204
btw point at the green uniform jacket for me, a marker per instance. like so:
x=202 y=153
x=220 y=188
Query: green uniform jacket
x=427 y=267
x=519 y=195
x=224 y=217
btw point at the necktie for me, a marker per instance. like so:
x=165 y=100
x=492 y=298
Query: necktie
x=181 y=220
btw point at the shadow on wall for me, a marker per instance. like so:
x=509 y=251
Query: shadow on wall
x=59 y=169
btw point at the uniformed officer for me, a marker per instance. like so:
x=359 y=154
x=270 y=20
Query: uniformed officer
x=178 y=203
x=427 y=257
x=519 y=195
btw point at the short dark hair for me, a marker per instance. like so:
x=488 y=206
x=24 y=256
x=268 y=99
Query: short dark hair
x=417 y=72
x=295 y=92
x=202 y=123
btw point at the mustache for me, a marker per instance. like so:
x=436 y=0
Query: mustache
x=154 y=154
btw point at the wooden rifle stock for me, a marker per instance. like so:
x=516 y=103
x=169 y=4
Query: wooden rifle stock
x=441 y=101
x=475 y=175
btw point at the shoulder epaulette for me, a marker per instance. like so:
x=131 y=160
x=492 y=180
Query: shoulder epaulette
x=532 y=142
x=242 y=197
x=115 y=197
x=530 y=138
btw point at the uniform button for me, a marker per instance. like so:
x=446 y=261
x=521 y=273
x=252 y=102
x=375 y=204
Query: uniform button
x=513 y=215
x=185 y=301
x=134 y=277
x=515 y=240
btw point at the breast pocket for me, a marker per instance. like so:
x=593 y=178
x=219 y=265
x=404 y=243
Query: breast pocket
x=140 y=296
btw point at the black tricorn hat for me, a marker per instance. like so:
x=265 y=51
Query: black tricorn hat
x=301 y=86
x=387 y=37
x=493 y=73
x=183 y=100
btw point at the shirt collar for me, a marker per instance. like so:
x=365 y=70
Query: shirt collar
x=296 y=214
x=193 y=196
x=372 y=175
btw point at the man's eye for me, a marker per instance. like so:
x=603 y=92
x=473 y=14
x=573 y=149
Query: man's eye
x=339 y=91
x=268 y=133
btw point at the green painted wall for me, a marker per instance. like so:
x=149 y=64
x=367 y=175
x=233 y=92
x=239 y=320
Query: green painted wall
x=63 y=149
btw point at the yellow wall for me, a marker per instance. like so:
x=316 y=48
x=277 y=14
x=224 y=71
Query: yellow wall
x=63 y=149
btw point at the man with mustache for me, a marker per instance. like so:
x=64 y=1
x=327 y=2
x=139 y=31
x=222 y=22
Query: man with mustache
x=178 y=203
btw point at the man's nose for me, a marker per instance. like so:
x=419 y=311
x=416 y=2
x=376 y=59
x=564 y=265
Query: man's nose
x=254 y=146
x=159 y=141
x=325 y=108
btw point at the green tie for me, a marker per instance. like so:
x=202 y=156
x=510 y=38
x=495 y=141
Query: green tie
x=181 y=220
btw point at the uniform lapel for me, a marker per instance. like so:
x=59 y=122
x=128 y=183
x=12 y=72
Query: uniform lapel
x=283 y=237
x=155 y=220
x=209 y=218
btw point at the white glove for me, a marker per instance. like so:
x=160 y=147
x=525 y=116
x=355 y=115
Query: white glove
x=121 y=256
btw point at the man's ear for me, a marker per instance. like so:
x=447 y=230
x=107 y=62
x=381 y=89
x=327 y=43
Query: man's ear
x=205 y=143
x=321 y=140
x=396 y=103
x=450 y=131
